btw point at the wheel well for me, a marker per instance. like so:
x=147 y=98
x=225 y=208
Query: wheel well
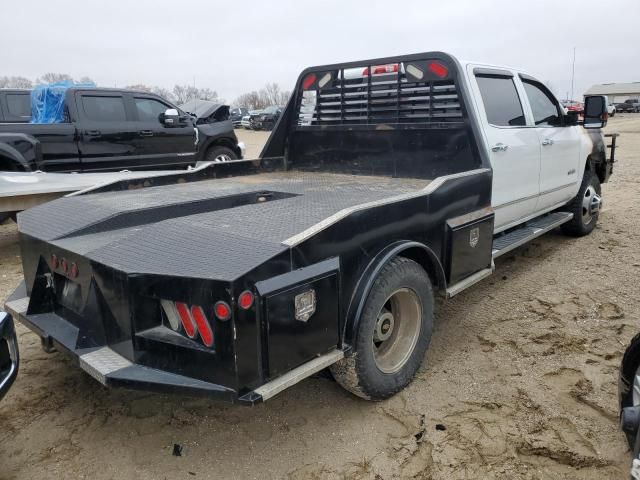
x=9 y=165
x=597 y=168
x=419 y=253
x=223 y=142
x=433 y=269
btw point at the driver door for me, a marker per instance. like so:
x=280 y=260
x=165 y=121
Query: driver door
x=160 y=145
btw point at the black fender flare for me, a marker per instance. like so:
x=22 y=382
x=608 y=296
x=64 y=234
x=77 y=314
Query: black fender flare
x=416 y=251
x=27 y=158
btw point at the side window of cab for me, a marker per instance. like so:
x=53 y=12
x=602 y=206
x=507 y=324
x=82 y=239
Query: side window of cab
x=545 y=108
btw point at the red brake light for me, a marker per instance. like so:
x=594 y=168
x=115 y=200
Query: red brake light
x=308 y=81
x=185 y=318
x=74 y=272
x=203 y=325
x=54 y=261
x=439 y=69
x=245 y=300
x=63 y=265
x=222 y=310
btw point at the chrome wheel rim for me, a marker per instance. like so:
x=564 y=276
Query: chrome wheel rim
x=396 y=330
x=223 y=157
x=590 y=204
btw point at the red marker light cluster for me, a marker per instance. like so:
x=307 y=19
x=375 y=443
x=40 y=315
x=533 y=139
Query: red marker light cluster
x=222 y=311
x=438 y=69
x=308 y=81
x=245 y=300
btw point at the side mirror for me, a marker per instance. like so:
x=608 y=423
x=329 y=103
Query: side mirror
x=170 y=117
x=595 y=111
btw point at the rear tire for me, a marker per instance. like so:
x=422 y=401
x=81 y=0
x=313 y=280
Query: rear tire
x=393 y=334
x=585 y=207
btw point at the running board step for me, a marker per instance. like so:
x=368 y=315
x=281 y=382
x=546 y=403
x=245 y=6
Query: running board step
x=532 y=229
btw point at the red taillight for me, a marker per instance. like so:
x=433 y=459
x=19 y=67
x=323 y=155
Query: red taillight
x=185 y=318
x=439 y=69
x=74 y=271
x=245 y=300
x=222 y=310
x=203 y=325
x=308 y=81
x=63 y=265
x=54 y=261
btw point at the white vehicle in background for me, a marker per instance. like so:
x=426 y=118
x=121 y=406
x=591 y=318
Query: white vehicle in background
x=611 y=109
x=246 y=120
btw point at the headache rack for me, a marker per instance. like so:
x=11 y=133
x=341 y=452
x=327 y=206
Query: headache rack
x=411 y=93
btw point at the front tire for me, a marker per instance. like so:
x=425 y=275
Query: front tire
x=220 y=154
x=585 y=207
x=393 y=334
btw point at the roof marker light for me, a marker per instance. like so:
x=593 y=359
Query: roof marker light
x=222 y=310
x=203 y=325
x=324 y=80
x=63 y=265
x=74 y=271
x=245 y=300
x=415 y=71
x=187 y=321
x=54 y=261
x=308 y=81
x=439 y=69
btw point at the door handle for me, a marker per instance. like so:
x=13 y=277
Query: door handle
x=499 y=147
x=547 y=141
x=92 y=133
x=146 y=133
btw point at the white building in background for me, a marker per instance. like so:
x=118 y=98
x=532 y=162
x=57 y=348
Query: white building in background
x=617 y=92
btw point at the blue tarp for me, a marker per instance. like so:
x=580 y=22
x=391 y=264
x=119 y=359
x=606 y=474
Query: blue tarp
x=47 y=102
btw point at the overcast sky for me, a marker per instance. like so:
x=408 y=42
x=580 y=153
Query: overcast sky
x=236 y=46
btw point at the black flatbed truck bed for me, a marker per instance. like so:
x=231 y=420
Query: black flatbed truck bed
x=273 y=260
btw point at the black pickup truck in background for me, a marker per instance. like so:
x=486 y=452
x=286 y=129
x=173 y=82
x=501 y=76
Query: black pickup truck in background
x=15 y=105
x=109 y=129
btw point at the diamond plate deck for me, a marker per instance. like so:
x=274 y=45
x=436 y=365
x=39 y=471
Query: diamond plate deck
x=223 y=243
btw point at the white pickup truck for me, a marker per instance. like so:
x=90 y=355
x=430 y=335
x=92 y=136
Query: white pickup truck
x=383 y=181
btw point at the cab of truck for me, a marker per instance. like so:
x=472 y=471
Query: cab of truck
x=15 y=105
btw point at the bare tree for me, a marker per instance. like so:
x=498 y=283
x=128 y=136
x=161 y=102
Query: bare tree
x=271 y=94
x=250 y=100
x=87 y=80
x=54 y=78
x=164 y=93
x=15 y=82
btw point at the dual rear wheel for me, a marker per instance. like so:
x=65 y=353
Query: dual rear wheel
x=393 y=334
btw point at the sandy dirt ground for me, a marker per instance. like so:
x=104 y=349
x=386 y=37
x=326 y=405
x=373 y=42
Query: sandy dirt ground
x=519 y=383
